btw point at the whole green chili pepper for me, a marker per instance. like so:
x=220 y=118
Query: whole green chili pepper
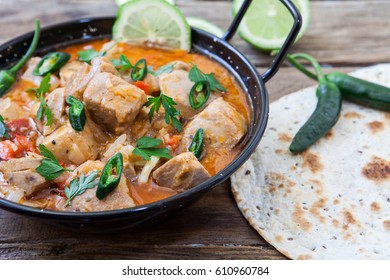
x=353 y=89
x=50 y=63
x=8 y=77
x=325 y=115
x=77 y=116
x=111 y=175
x=197 y=143
x=199 y=94
x=361 y=91
x=139 y=70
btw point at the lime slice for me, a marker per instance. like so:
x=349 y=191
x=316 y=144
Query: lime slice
x=267 y=23
x=121 y=2
x=152 y=23
x=205 y=25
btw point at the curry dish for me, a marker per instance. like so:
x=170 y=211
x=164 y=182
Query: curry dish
x=117 y=127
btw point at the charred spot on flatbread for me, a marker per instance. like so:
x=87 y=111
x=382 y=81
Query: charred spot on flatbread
x=375 y=207
x=376 y=126
x=377 y=170
x=299 y=218
x=352 y=115
x=284 y=137
x=386 y=225
x=312 y=161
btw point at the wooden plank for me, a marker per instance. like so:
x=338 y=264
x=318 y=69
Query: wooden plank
x=330 y=38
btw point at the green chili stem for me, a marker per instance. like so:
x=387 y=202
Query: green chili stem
x=30 y=50
x=300 y=67
x=314 y=63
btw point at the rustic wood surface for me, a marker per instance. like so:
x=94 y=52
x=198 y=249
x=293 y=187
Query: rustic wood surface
x=342 y=34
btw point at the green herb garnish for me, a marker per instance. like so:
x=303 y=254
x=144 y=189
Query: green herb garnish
x=79 y=185
x=168 y=68
x=196 y=75
x=146 y=147
x=168 y=103
x=90 y=54
x=49 y=168
x=122 y=64
x=3 y=129
x=44 y=109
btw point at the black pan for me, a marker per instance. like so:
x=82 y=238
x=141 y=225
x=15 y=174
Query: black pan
x=61 y=35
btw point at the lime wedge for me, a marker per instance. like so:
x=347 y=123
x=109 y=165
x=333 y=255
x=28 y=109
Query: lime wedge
x=121 y=2
x=205 y=25
x=152 y=23
x=267 y=23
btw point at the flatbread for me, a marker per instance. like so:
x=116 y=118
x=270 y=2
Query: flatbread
x=332 y=201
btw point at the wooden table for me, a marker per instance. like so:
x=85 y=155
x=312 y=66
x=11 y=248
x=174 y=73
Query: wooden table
x=344 y=34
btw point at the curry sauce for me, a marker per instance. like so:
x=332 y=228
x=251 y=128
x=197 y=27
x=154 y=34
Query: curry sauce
x=105 y=133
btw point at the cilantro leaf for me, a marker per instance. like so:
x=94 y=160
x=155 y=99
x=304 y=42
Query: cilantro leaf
x=168 y=68
x=79 y=185
x=196 y=75
x=147 y=147
x=3 y=129
x=44 y=109
x=168 y=103
x=122 y=64
x=88 y=55
x=49 y=168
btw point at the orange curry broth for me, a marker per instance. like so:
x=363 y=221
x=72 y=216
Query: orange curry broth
x=157 y=58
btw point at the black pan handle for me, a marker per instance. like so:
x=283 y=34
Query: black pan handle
x=270 y=72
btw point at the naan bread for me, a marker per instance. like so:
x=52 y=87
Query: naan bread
x=333 y=200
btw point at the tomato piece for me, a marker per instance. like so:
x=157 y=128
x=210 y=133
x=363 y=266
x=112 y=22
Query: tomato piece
x=142 y=85
x=24 y=145
x=173 y=141
x=19 y=127
x=8 y=150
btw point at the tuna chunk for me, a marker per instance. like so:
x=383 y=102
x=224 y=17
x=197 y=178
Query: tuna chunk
x=113 y=102
x=80 y=79
x=87 y=202
x=223 y=127
x=56 y=102
x=74 y=147
x=178 y=86
x=72 y=70
x=10 y=110
x=21 y=172
x=181 y=172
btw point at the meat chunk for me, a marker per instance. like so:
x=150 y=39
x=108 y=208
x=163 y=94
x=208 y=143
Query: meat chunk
x=223 y=127
x=113 y=102
x=80 y=79
x=11 y=193
x=181 y=172
x=70 y=146
x=87 y=202
x=28 y=74
x=178 y=86
x=56 y=102
x=21 y=172
x=72 y=70
x=10 y=110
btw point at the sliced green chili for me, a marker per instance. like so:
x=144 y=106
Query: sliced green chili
x=50 y=63
x=139 y=70
x=199 y=94
x=8 y=77
x=196 y=146
x=111 y=175
x=77 y=117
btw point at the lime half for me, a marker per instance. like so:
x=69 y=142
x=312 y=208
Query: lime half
x=152 y=23
x=267 y=23
x=121 y=2
x=205 y=25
